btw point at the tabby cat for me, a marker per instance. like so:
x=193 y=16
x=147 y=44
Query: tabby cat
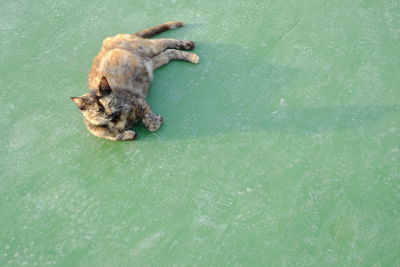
x=120 y=77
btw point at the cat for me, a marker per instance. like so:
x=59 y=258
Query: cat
x=119 y=79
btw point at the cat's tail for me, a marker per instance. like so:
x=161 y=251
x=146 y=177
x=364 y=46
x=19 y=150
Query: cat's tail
x=149 y=32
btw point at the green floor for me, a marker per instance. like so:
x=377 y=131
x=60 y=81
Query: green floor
x=281 y=148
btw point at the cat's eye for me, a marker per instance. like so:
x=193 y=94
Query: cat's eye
x=109 y=104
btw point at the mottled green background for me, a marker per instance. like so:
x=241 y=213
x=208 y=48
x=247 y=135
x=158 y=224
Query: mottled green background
x=281 y=148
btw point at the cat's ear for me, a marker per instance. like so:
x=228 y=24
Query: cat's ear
x=80 y=102
x=104 y=87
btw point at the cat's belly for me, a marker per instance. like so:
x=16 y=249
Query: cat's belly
x=123 y=70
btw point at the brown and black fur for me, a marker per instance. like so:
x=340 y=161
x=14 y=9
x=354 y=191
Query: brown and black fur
x=120 y=77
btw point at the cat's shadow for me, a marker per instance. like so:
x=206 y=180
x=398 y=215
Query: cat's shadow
x=233 y=91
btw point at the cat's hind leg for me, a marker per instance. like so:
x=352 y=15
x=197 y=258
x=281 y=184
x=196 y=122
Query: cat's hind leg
x=149 y=32
x=172 y=54
x=154 y=47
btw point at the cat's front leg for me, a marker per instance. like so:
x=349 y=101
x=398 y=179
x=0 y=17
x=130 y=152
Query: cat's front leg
x=126 y=135
x=112 y=134
x=150 y=120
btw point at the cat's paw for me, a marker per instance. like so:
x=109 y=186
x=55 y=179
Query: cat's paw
x=152 y=121
x=188 y=45
x=127 y=135
x=194 y=58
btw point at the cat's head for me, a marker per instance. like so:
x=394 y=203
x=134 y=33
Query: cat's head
x=97 y=106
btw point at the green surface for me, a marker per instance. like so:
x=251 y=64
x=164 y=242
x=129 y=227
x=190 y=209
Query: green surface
x=281 y=148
